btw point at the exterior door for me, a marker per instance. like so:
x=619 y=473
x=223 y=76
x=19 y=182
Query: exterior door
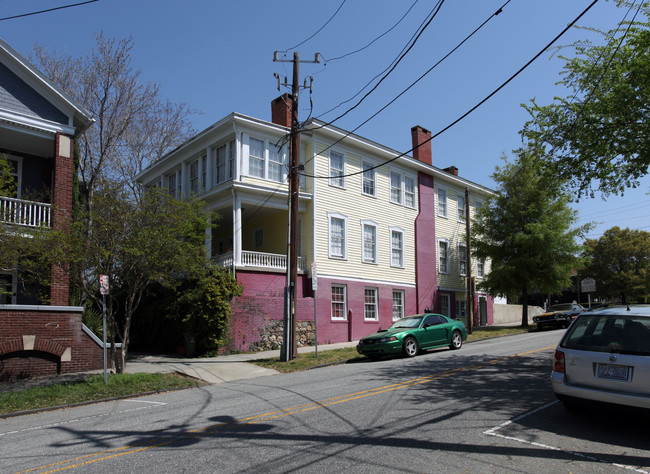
x=482 y=311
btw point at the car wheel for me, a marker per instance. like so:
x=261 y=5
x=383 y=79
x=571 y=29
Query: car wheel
x=456 y=341
x=410 y=348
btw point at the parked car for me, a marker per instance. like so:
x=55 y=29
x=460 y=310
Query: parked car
x=559 y=315
x=412 y=334
x=605 y=357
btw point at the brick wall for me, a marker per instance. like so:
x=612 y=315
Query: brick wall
x=44 y=340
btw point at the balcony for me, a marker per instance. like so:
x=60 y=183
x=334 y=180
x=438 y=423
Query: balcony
x=26 y=213
x=271 y=261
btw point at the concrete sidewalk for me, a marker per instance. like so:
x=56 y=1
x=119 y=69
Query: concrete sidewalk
x=215 y=370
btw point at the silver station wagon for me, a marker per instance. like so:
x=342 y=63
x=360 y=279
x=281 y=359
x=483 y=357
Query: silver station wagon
x=605 y=357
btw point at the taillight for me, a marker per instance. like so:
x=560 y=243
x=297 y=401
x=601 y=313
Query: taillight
x=558 y=362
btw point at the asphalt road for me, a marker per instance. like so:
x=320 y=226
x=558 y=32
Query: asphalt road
x=485 y=408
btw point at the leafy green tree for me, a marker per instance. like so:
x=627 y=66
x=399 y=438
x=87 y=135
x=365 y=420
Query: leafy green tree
x=524 y=230
x=7 y=179
x=598 y=138
x=619 y=261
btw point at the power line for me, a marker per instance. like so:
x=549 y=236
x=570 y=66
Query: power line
x=488 y=97
x=48 y=10
x=319 y=29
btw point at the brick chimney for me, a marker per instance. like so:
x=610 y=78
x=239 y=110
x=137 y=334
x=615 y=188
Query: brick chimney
x=452 y=170
x=281 y=110
x=421 y=150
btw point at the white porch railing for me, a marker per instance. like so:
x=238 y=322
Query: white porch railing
x=27 y=213
x=258 y=259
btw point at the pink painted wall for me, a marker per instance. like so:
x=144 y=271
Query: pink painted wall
x=426 y=277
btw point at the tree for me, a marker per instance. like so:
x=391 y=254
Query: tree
x=135 y=243
x=598 y=138
x=524 y=230
x=619 y=261
x=131 y=119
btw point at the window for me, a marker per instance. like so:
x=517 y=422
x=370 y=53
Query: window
x=221 y=164
x=409 y=192
x=370 y=304
x=204 y=172
x=396 y=247
x=398 y=304
x=442 y=202
x=461 y=309
x=338 y=225
x=194 y=177
x=369 y=184
x=461 y=208
x=395 y=187
x=174 y=183
x=258 y=238
x=231 y=160
x=480 y=268
x=444 y=305
x=369 y=230
x=15 y=165
x=7 y=293
x=337 y=169
x=256 y=157
x=443 y=256
x=339 y=302
x=276 y=163
x=462 y=259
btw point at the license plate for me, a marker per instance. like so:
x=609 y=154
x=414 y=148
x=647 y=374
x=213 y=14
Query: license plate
x=610 y=371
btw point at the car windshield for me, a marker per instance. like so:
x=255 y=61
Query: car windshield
x=609 y=333
x=406 y=323
x=561 y=307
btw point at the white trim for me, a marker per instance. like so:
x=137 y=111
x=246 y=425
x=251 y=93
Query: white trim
x=390 y=236
x=446 y=191
x=458 y=216
x=345 y=302
x=375 y=290
x=41 y=308
x=446 y=271
x=366 y=281
x=372 y=164
x=464 y=252
x=369 y=223
x=343 y=171
x=344 y=250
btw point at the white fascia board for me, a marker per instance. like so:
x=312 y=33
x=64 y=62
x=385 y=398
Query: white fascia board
x=40 y=127
x=366 y=280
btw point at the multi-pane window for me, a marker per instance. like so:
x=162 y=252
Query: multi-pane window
x=174 y=183
x=276 y=163
x=204 y=172
x=231 y=160
x=396 y=248
x=461 y=208
x=395 y=187
x=370 y=304
x=442 y=202
x=444 y=305
x=461 y=309
x=462 y=259
x=339 y=302
x=369 y=242
x=480 y=268
x=194 y=177
x=221 y=164
x=398 y=304
x=409 y=192
x=337 y=169
x=256 y=157
x=337 y=237
x=369 y=179
x=443 y=256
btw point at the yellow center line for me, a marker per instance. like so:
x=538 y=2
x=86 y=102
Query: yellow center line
x=132 y=449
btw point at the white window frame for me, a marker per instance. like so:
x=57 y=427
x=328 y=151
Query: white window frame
x=232 y=152
x=409 y=192
x=276 y=167
x=393 y=249
x=343 y=303
x=257 y=160
x=480 y=268
x=398 y=304
x=446 y=267
x=370 y=304
x=462 y=258
x=395 y=187
x=368 y=176
x=460 y=203
x=442 y=202
x=444 y=305
x=364 y=244
x=194 y=176
x=337 y=175
x=177 y=175
x=220 y=160
x=203 y=170
x=461 y=308
x=344 y=219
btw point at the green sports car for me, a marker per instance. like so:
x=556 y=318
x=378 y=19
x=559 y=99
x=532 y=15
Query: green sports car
x=412 y=334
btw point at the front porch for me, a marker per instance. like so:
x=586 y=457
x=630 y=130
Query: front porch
x=257 y=260
x=25 y=213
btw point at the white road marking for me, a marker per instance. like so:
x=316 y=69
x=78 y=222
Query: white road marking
x=493 y=432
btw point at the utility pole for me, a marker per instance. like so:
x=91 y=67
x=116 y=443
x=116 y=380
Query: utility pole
x=290 y=344
x=468 y=266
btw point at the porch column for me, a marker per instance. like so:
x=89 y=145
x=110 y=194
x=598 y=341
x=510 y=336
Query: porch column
x=236 y=230
x=62 y=211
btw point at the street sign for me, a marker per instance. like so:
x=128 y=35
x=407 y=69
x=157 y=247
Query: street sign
x=103 y=284
x=314 y=278
x=588 y=285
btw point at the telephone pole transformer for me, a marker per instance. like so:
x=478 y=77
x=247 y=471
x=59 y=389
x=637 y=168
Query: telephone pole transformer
x=290 y=344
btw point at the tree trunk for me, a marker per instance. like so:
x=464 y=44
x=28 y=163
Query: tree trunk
x=524 y=307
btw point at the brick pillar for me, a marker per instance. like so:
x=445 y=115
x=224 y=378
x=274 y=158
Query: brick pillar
x=281 y=110
x=421 y=147
x=61 y=211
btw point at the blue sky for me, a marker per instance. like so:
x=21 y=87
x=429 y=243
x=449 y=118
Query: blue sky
x=217 y=56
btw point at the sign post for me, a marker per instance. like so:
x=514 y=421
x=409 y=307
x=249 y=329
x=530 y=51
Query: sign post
x=103 y=290
x=588 y=286
x=314 y=287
